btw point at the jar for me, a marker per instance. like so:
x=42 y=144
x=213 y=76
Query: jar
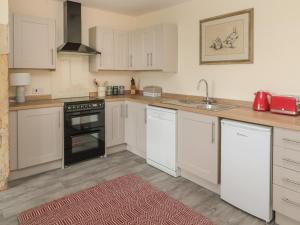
x=109 y=91
x=115 y=90
x=121 y=90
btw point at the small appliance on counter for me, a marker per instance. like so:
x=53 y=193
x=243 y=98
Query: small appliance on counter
x=285 y=104
x=152 y=91
x=261 y=101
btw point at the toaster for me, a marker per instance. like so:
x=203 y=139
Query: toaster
x=285 y=104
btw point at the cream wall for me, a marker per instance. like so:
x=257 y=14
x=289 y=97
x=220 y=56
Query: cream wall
x=3 y=11
x=276 y=67
x=72 y=76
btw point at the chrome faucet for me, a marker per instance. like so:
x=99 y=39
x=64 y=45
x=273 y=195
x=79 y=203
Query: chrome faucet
x=206 y=100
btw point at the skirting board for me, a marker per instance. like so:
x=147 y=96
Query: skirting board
x=206 y=184
x=283 y=220
x=115 y=149
x=17 y=174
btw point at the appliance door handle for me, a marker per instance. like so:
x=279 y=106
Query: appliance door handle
x=291 y=161
x=213 y=127
x=290 y=202
x=291 y=181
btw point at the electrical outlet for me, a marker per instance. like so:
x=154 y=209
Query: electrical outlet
x=37 y=91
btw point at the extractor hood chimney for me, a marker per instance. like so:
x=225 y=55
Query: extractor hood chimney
x=72 y=31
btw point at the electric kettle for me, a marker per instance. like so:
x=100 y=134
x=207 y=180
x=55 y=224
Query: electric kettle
x=261 y=101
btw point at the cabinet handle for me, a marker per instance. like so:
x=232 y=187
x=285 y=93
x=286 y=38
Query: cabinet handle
x=147 y=59
x=52 y=56
x=59 y=120
x=213 y=132
x=126 y=111
x=145 y=115
x=288 y=201
x=292 y=141
x=151 y=60
x=131 y=61
x=291 y=181
x=291 y=161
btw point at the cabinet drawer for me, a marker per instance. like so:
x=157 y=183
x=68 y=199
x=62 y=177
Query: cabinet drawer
x=287 y=158
x=287 y=138
x=286 y=202
x=287 y=178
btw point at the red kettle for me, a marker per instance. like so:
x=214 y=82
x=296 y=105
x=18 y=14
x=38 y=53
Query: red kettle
x=261 y=101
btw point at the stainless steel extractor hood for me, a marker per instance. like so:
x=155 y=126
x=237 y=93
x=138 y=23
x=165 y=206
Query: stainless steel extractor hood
x=72 y=31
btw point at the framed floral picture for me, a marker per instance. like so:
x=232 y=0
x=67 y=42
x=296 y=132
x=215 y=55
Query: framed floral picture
x=227 y=39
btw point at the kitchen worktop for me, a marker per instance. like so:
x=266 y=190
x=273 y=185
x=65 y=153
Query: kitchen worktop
x=242 y=113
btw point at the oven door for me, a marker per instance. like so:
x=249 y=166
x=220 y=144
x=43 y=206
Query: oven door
x=79 y=122
x=84 y=146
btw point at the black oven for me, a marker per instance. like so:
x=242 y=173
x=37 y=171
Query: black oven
x=84 y=131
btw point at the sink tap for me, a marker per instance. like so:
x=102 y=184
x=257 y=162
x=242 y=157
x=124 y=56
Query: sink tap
x=206 y=100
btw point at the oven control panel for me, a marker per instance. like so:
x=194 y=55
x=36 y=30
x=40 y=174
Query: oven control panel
x=79 y=107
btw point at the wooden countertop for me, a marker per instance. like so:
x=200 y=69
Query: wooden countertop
x=241 y=113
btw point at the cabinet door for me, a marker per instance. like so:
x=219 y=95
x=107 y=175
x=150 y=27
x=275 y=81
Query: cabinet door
x=121 y=39
x=34 y=43
x=141 y=128
x=148 y=48
x=130 y=125
x=40 y=135
x=198 y=151
x=105 y=45
x=13 y=141
x=136 y=54
x=115 y=123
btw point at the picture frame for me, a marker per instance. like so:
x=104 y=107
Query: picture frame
x=227 y=39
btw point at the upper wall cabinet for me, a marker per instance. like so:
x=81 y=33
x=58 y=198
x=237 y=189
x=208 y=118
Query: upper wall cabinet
x=102 y=39
x=33 y=43
x=155 y=48
x=150 y=49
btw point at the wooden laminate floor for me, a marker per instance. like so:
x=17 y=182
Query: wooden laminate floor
x=34 y=191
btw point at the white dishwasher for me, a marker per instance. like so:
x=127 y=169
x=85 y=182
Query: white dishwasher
x=246 y=174
x=161 y=139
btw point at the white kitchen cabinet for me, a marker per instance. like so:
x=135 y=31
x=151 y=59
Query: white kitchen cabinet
x=152 y=48
x=115 y=123
x=13 y=140
x=198 y=145
x=40 y=136
x=121 y=39
x=102 y=39
x=135 y=128
x=33 y=43
x=160 y=48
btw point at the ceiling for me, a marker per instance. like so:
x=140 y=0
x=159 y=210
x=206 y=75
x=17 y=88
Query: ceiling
x=130 y=7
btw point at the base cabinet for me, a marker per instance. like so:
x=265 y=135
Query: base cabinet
x=198 y=145
x=36 y=137
x=115 y=123
x=135 y=128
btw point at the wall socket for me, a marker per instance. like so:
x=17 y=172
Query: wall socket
x=37 y=91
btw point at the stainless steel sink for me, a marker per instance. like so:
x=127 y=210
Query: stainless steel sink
x=198 y=105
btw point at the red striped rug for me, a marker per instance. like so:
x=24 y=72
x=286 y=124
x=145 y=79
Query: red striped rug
x=126 y=200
